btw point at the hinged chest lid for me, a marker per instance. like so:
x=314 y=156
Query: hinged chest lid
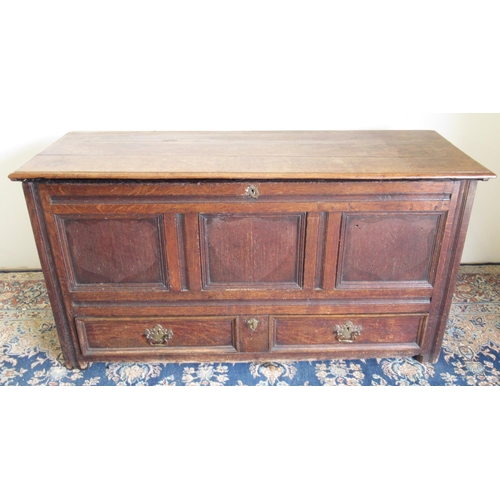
x=315 y=155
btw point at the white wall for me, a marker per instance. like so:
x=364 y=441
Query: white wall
x=104 y=65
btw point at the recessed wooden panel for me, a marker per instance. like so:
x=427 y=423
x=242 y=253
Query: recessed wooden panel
x=114 y=250
x=254 y=251
x=384 y=249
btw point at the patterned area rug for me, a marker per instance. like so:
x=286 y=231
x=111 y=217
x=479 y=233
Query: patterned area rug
x=30 y=352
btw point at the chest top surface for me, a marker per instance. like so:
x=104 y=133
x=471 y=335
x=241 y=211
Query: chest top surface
x=326 y=155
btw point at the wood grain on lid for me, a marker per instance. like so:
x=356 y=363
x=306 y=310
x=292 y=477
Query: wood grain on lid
x=330 y=155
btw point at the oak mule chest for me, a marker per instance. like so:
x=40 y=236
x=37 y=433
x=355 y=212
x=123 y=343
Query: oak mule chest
x=237 y=246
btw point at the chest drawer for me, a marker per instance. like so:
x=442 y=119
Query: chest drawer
x=156 y=335
x=346 y=332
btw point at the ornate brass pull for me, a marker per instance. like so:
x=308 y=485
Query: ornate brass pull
x=252 y=323
x=347 y=332
x=158 y=335
x=252 y=192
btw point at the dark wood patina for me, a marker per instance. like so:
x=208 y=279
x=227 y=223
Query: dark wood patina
x=237 y=246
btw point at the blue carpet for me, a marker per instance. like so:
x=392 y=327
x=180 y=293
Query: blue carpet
x=30 y=351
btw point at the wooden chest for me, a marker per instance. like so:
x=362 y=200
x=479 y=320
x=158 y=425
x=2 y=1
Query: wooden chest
x=237 y=246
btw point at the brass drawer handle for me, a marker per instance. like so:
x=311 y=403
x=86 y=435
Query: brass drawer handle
x=252 y=191
x=158 y=335
x=347 y=332
x=252 y=323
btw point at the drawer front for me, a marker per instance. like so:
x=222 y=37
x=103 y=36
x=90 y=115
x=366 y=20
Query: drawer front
x=158 y=335
x=348 y=331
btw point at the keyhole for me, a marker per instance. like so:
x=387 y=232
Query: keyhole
x=252 y=192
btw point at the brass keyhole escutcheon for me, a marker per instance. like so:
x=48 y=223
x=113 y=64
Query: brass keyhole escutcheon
x=252 y=323
x=252 y=191
x=158 y=335
x=347 y=332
